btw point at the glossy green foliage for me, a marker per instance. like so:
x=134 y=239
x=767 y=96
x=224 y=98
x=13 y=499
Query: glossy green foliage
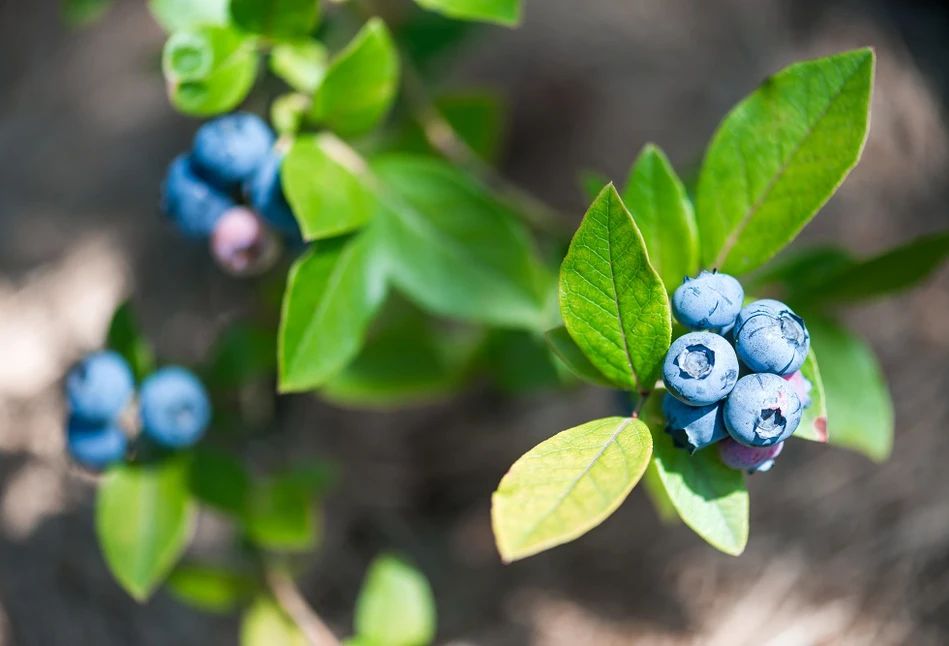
x=779 y=155
x=333 y=291
x=612 y=301
x=566 y=486
x=209 y=70
x=360 y=84
x=144 y=520
x=396 y=606
x=275 y=19
x=708 y=496
x=455 y=249
x=662 y=211
x=859 y=408
x=301 y=64
x=177 y=15
x=502 y=12
x=326 y=190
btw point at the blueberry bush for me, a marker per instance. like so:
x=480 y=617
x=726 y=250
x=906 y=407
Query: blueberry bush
x=413 y=269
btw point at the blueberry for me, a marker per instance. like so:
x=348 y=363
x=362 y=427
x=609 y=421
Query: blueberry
x=193 y=204
x=753 y=459
x=801 y=385
x=93 y=445
x=762 y=410
x=265 y=193
x=709 y=302
x=242 y=245
x=693 y=427
x=700 y=368
x=175 y=409
x=99 y=387
x=769 y=337
x=229 y=149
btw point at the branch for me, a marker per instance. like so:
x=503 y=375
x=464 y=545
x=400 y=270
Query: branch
x=291 y=601
x=442 y=137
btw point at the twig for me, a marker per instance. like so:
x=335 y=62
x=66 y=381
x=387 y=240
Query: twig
x=442 y=137
x=290 y=599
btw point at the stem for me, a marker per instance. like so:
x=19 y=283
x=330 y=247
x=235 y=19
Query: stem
x=442 y=137
x=641 y=403
x=290 y=599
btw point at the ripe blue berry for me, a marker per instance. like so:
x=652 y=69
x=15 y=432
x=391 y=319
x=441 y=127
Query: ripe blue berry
x=770 y=337
x=99 y=387
x=753 y=459
x=175 y=409
x=241 y=244
x=762 y=410
x=265 y=193
x=709 y=302
x=194 y=205
x=700 y=368
x=95 y=446
x=229 y=149
x=693 y=427
x=801 y=385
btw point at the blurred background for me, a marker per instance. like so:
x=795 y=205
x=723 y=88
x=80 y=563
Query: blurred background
x=842 y=550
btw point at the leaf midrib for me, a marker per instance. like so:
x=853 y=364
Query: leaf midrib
x=333 y=283
x=733 y=238
x=589 y=467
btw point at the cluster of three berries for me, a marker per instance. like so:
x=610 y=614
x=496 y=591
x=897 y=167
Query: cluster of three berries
x=233 y=159
x=173 y=408
x=707 y=402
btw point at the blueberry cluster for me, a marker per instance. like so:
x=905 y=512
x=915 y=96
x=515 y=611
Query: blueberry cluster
x=228 y=189
x=173 y=409
x=736 y=378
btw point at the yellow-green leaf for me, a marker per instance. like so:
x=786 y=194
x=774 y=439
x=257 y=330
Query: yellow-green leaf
x=566 y=486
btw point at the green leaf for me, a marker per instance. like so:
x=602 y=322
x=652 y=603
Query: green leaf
x=209 y=70
x=333 y=291
x=276 y=19
x=220 y=481
x=801 y=271
x=502 y=12
x=210 y=588
x=570 y=353
x=656 y=492
x=360 y=84
x=144 y=520
x=82 y=13
x=612 y=301
x=478 y=118
x=178 y=15
x=396 y=606
x=265 y=624
x=813 y=424
x=889 y=272
x=566 y=486
x=520 y=362
x=662 y=211
x=406 y=361
x=778 y=157
x=242 y=353
x=709 y=497
x=126 y=338
x=456 y=250
x=859 y=408
x=281 y=516
x=302 y=64
x=326 y=194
